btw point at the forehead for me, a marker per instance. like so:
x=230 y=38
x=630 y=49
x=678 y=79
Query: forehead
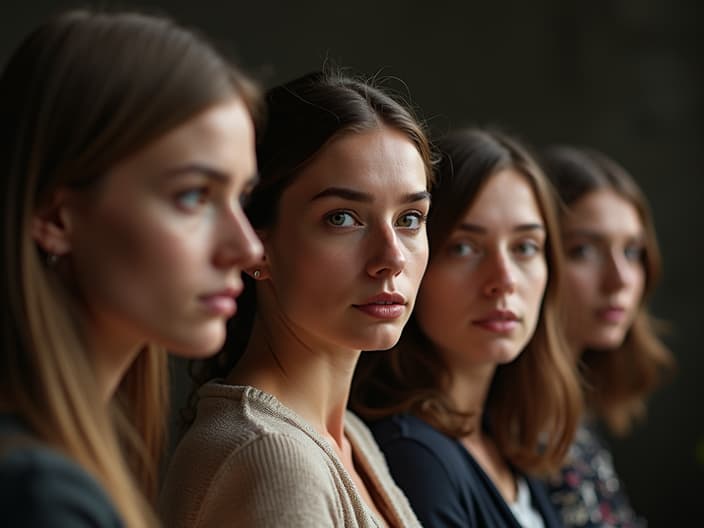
x=506 y=197
x=379 y=158
x=605 y=211
x=222 y=134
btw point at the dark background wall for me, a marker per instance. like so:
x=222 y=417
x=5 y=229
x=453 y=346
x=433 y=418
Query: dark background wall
x=620 y=75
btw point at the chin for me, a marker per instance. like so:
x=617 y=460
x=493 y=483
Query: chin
x=606 y=339
x=198 y=346
x=384 y=341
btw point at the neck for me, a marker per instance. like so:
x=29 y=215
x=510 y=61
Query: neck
x=112 y=357
x=304 y=374
x=468 y=388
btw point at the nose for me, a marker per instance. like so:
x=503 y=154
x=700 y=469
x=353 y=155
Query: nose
x=238 y=245
x=616 y=272
x=500 y=276
x=388 y=257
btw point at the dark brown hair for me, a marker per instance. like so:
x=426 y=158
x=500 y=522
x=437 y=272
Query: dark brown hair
x=304 y=115
x=617 y=383
x=534 y=402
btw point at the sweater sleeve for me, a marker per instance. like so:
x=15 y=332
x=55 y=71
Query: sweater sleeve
x=270 y=482
x=434 y=495
x=41 y=489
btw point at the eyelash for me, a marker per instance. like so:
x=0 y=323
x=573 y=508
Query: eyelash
x=420 y=218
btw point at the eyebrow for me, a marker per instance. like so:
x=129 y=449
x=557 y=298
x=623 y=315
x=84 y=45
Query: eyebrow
x=357 y=196
x=210 y=172
x=474 y=228
x=596 y=236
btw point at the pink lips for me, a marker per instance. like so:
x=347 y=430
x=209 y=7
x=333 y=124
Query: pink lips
x=612 y=314
x=222 y=302
x=498 y=321
x=384 y=306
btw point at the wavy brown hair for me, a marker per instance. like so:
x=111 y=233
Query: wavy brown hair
x=617 y=383
x=82 y=92
x=533 y=406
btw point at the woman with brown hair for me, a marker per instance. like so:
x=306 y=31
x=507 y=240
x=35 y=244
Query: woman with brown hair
x=612 y=268
x=478 y=394
x=126 y=143
x=340 y=208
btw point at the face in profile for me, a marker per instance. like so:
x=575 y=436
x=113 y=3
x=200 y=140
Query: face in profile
x=605 y=276
x=480 y=300
x=157 y=246
x=349 y=247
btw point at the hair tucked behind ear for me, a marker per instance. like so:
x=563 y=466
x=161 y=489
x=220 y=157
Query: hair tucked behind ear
x=82 y=92
x=303 y=116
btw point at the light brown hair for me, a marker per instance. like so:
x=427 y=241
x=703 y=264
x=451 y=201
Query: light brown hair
x=534 y=402
x=83 y=91
x=616 y=383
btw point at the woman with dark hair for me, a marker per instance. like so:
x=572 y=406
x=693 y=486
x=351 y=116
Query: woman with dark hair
x=612 y=267
x=478 y=395
x=340 y=208
x=126 y=142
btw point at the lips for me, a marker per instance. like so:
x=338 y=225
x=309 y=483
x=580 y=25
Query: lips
x=498 y=321
x=221 y=303
x=387 y=306
x=612 y=314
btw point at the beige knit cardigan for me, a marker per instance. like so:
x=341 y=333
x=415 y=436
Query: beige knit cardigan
x=249 y=461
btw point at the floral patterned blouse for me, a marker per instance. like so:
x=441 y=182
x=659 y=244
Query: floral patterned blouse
x=587 y=493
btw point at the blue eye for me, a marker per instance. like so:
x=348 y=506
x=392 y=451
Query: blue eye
x=341 y=219
x=527 y=248
x=582 y=252
x=412 y=220
x=461 y=249
x=634 y=253
x=192 y=198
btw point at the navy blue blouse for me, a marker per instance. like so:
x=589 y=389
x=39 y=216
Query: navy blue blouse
x=445 y=486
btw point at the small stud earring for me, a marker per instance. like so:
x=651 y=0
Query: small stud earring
x=257 y=274
x=52 y=259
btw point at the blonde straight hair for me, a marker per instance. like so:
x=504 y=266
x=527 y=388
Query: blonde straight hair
x=83 y=91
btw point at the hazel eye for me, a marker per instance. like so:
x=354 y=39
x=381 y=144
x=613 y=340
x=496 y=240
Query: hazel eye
x=341 y=219
x=413 y=220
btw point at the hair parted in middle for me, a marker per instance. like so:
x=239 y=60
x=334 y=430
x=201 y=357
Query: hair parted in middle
x=537 y=393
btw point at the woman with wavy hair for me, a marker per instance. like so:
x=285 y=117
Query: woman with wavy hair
x=612 y=267
x=126 y=143
x=478 y=395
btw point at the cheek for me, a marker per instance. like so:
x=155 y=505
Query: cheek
x=535 y=284
x=581 y=283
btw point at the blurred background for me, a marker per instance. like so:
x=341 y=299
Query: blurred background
x=622 y=76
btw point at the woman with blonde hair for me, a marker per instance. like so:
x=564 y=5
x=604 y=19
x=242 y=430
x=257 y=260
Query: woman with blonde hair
x=126 y=143
x=478 y=396
x=612 y=267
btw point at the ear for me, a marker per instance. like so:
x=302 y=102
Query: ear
x=260 y=270
x=51 y=226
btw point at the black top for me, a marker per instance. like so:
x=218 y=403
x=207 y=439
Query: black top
x=40 y=487
x=444 y=484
